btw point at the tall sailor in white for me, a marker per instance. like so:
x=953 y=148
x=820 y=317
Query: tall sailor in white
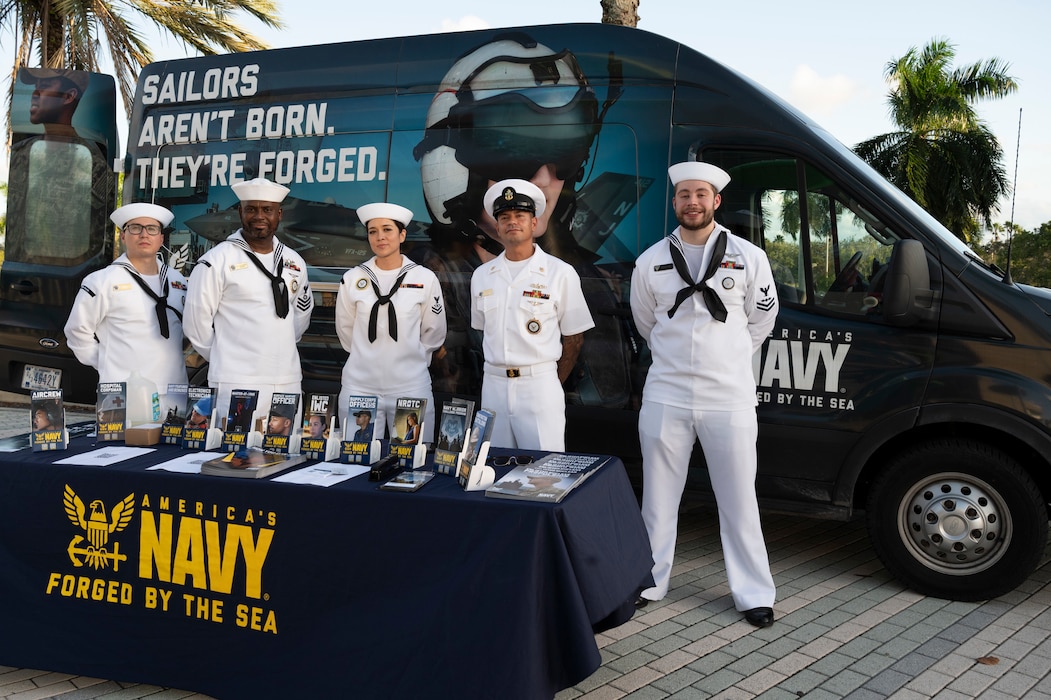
x=128 y=315
x=250 y=302
x=705 y=301
x=390 y=317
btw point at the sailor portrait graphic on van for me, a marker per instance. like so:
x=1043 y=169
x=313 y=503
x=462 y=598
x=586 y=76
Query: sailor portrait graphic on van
x=904 y=380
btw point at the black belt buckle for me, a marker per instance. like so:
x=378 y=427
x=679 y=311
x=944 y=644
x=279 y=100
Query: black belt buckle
x=514 y=372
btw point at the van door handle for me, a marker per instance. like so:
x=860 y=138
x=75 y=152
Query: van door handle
x=24 y=286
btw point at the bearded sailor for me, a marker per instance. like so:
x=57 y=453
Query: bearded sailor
x=704 y=301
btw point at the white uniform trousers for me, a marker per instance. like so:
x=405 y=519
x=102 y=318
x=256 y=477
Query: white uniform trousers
x=530 y=408
x=728 y=439
x=262 y=407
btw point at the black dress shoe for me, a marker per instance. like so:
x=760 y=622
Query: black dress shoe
x=760 y=617
x=641 y=602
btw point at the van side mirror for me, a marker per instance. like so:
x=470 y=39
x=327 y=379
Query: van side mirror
x=907 y=294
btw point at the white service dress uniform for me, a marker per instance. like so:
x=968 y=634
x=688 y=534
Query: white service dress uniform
x=701 y=384
x=523 y=317
x=389 y=368
x=232 y=321
x=114 y=328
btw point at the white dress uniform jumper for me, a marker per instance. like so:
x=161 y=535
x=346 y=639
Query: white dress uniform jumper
x=122 y=320
x=701 y=385
x=391 y=322
x=233 y=318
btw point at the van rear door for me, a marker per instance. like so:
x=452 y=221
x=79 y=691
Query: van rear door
x=60 y=192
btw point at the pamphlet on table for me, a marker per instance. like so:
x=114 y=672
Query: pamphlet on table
x=549 y=479
x=250 y=463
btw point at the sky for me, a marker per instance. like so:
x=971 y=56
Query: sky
x=825 y=59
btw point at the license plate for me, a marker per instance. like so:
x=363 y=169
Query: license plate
x=34 y=377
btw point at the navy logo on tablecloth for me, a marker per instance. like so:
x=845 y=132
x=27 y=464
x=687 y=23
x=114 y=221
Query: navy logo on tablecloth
x=97 y=526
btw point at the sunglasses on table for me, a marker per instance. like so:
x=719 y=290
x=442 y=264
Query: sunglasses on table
x=512 y=460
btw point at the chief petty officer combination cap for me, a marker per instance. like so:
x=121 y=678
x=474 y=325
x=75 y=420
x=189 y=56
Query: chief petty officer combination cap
x=514 y=194
x=384 y=210
x=141 y=210
x=260 y=190
x=695 y=170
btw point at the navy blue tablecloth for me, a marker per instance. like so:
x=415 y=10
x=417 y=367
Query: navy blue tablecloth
x=245 y=588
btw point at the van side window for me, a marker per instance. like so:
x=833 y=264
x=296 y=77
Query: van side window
x=55 y=200
x=825 y=249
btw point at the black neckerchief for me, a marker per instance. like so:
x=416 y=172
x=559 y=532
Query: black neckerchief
x=381 y=299
x=160 y=300
x=715 y=305
x=277 y=283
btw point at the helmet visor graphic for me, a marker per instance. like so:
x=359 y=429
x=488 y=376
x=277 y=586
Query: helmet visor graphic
x=516 y=114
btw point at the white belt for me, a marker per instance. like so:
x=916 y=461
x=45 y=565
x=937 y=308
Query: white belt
x=527 y=371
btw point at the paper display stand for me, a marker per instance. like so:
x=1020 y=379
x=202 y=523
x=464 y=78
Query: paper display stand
x=481 y=475
x=232 y=442
x=49 y=445
x=409 y=456
x=284 y=444
x=329 y=452
x=364 y=453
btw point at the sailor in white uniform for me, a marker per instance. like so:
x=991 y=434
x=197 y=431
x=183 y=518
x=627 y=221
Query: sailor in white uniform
x=128 y=315
x=250 y=303
x=390 y=317
x=702 y=330
x=532 y=313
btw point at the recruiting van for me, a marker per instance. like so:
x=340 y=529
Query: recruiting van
x=905 y=379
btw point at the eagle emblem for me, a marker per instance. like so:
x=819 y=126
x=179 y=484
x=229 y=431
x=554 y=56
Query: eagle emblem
x=97 y=527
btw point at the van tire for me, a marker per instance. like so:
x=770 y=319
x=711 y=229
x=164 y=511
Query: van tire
x=957 y=519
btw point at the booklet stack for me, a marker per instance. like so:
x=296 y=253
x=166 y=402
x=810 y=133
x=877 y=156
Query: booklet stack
x=409 y=426
x=473 y=474
x=281 y=423
x=457 y=415
x=111 y=411
x=200 y=431
x=321 y=438
x=250 y=463
x=549 y=479
x=48 y=420
x=239 y=431
x=176 y=413
x=361 y=445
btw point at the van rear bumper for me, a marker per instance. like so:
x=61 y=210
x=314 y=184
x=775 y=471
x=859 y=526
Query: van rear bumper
x=79 y=383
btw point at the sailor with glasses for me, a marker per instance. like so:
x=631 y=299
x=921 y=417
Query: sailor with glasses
x=532 y=314
x=250 y=302
x=128 y=315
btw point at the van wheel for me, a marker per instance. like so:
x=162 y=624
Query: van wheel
x=957 y=519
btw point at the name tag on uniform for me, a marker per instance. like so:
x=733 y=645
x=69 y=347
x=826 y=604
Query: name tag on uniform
x=406 y=285
x=661 y=268
x=486 y=293
x=238 y=266
x=121 y=287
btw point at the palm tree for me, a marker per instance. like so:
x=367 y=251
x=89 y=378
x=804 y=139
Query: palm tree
x=74 y=33
x=943 y=155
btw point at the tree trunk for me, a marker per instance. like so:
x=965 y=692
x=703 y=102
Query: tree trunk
x=622 y=12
